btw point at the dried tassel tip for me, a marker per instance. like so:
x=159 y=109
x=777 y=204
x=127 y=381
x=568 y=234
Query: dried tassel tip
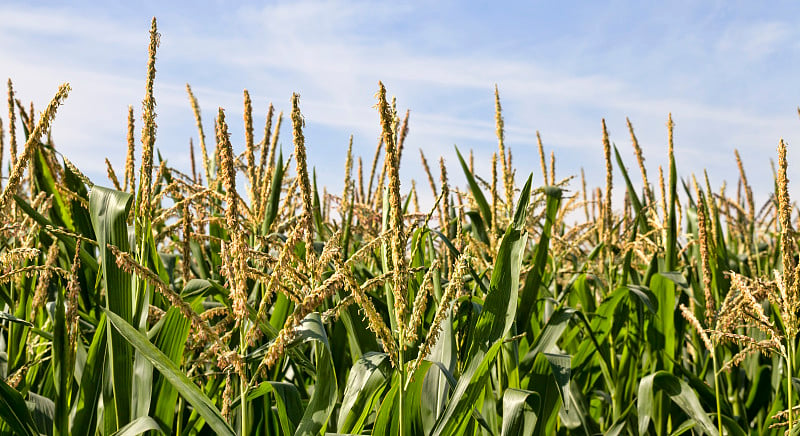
x=302 y=173
x=149 y=127
x=501 y=145
x=73 y=291
x=228 y=171
x=689 y=316
x=112 y=176
x=130 y=159
x=15 y=178
x=705 y=248
x=199 y=121
x=237 y=260
x=450 y=292
x=640 y=160
x=44 y=278
x=264 y=150
x=396 y=215
x=2 y=146
x=249 y=153
x=12 y=124
x=607 y=217
x=541 y=157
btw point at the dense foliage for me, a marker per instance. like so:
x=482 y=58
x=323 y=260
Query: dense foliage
x=169 y=303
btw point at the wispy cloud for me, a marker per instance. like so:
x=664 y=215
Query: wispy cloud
x=755 y=41
x=334 y=52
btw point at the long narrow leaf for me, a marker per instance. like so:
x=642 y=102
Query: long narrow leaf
x=109 y=211
x=494 y=322
x=477 y=194
x=520 y=409
x=172 y=374
x=13 y=411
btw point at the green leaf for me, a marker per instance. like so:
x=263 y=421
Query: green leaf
x=139 y=426
x=202 y=405
x=520 y=409
x=530 y=290
x=500 y=305
x=273 y=205
x=675 y=277
x=552 y=331
x=171 y=341
x=43 y=412
x=635 y=203
x=365 y=384
x=542 y=381
x=14 y=412
x=664 y=288
x=560 y=365
x=83 y=417
x=323 y=399
x=645 y=297
x=494 y=321
x=681 y=394
x=287 y=400
x=577 y=413
x=477 y=194
x=387 y=421
x=388 y=409
x=4 y=316
x=733 y=427
x=109 y=211
x=46 y=182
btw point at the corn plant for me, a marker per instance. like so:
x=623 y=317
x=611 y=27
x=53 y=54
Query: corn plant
x=179 y=301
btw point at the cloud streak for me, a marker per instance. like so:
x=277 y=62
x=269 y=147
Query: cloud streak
x=334 y=52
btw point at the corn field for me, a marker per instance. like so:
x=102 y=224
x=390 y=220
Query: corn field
x=237 y=297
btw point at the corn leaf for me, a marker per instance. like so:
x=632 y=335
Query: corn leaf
x=365 y=384
x=494 y=321
x=172 y=374
x=13 y=411
x=680 y=393
x=477 y=194
x=520 y=409
x=322 y=401
x=109 y=211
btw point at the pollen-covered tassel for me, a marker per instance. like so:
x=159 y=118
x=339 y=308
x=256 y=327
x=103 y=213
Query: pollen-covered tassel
x=15 y=178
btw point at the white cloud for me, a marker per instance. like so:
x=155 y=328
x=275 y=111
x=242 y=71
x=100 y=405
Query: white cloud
x=757 y=40
x=334 y=53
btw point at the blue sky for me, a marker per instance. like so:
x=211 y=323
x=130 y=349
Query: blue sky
x=726 y=70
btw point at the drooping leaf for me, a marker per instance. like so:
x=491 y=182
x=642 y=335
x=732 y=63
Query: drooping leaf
x=139 y=426
x=43 y=412
x=84 y=413
x=4 y=316
x=494 y=321
x=323 y=400
x=520 y=409
x=560 y=365
x=679 y=392
x=435 y=386
x=190 y=392
x=366 y=382
x=287 y=401
x=13 y=411
x=477 y=194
